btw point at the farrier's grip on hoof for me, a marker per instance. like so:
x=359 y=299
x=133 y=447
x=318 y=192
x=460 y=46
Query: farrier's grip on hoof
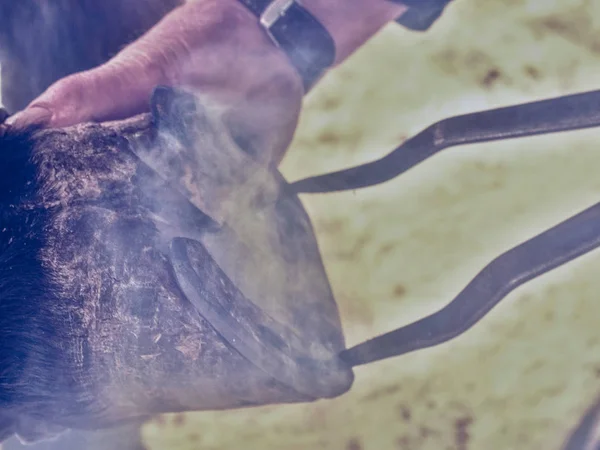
x=171 y=272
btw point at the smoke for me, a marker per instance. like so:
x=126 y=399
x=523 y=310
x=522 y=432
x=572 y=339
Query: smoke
x=102 y=253
x=265 y=245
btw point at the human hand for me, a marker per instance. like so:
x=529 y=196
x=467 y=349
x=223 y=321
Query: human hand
x=218 y=49
x=212 y=47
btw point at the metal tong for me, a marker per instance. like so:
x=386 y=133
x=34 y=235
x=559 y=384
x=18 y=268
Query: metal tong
x=563 y=243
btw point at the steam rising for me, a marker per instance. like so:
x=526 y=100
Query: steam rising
x=254 y=246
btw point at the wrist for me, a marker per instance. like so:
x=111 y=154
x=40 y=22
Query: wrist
x=351 y=23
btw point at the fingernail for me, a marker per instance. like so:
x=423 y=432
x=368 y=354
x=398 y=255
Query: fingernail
x=32 y=116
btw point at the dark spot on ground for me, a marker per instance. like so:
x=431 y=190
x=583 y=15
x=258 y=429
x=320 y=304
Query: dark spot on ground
x=523 y=438
x=347 y=75
x=431 y=404
x=461 y=432
x=557 y=25
x=576 y=27
x=591 y=342
x=403 y=443
x=330 y=226
x=193 y=437
x=426 y=432
x=179 y=420
x=447 y=61
x=382 y=392
x=491 y=77
x=404 y=412
x=476 y=59
x=359 y=244
x=533 y=72
x=384 y=249
x=356 y=310
x=597 y=371
x=331 y=103
x=328 y=137
x=399 y=290
x=354 y=444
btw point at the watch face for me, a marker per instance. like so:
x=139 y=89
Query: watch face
x=307 y=43
x=275 y=10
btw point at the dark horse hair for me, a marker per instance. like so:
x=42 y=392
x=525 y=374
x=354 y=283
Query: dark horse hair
x=30 y=354
x=112 y=259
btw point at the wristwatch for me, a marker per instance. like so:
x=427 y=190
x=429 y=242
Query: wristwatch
x=421 y=14
x=299 y=34
x=308 y=44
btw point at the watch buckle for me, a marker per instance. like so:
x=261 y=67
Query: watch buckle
x=274 y=12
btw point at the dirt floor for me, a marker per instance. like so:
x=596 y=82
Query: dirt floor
x=521 y=378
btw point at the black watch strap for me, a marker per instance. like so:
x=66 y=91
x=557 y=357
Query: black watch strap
x=299 y=34
x=258 y=7
x=421 y=14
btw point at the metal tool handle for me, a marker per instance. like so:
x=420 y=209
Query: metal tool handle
x=570 y=112
x=566 y=241
x=585 y=436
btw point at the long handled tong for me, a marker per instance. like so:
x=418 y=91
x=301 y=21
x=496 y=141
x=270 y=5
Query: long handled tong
x=564 y=242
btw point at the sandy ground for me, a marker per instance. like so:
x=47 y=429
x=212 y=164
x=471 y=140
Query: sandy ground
x=521 y=378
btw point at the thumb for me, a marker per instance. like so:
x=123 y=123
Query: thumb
x=115 y=90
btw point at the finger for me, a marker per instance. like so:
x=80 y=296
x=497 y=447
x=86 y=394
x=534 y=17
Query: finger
x=29 y=117
x=118 y=89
